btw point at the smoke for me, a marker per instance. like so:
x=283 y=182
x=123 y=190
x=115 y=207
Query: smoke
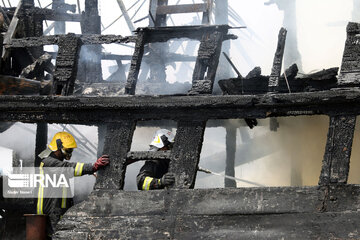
x=291 y=156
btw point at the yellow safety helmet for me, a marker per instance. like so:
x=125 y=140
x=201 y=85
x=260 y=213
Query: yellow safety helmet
x=62 y=140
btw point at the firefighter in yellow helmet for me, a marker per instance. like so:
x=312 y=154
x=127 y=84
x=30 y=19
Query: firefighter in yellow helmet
x=59 y=149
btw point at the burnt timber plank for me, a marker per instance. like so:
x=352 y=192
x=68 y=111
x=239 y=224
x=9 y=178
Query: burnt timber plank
x=36 y=69
x=160 y=19
x=11 y=32
x=90 y=71
x=90 y=110
x=335 y=168
x=278 y=58
x=163 y=34
x=52 y=15
x=260 y=213
x=66 y=65
x=54 y=39
x=182 y=8
x=147 y=155
x=135 y=63
x=10 y=85
x=185 y=154
x=350 y=66
x=117 y=144
x=207 y=62
x=282 y=226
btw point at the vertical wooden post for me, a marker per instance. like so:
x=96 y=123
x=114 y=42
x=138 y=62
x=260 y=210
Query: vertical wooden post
x=59 y=27
x=186 y=152
x=90 y=70
x=207 y=62
x=278 y=59
x=117 y=144
x=135 y=63
x=41 y=141
x=230 y=155
x=335 y=167
x=66 y=65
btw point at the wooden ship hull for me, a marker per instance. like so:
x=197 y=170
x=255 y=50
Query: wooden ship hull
x=329 y=210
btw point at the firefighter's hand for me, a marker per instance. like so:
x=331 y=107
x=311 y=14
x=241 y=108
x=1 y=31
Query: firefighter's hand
x=168 y=179
x=101 y=162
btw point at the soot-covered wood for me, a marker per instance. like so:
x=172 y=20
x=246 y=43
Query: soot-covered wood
x=117 y=144
x=336 y=161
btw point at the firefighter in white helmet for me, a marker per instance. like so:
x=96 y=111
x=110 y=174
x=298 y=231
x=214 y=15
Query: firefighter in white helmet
x=59 y=149
x=154 y=174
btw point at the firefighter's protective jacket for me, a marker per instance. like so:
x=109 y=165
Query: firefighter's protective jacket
x=151 y=173
x=56 y=207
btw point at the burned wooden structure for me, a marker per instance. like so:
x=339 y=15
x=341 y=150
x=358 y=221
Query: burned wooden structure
x=182 y=212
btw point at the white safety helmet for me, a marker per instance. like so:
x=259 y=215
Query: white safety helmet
x=162 y=138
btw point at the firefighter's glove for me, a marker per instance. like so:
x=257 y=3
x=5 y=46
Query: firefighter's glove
x=101 y=162
x=167 y=180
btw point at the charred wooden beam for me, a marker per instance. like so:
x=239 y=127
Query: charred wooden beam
x=147 y=155
x=230 y=155
x=136 y=63
x=54 y=40
x=10 y=34
x=52 y=15
x=185 y=154
x=117 y=144
x=10 y=85
x=265 y=213
x=163 y=34
x=31 y=109
x=160 y=19
x=324 y=74
x=90 y=56
x=276 y=69
x=66 y=65
x=59 y=26
x=336 y=161
x=350 y=66
x=207 y=62
x=183 y=8
x=38 y=67
x=155 y=35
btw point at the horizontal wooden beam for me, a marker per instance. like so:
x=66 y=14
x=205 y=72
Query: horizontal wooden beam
x=54 y=39
x=163 y=34
x=184 y=8
x=147 y=155
x=92 y=110
x=53 y=15
x=10 y=85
